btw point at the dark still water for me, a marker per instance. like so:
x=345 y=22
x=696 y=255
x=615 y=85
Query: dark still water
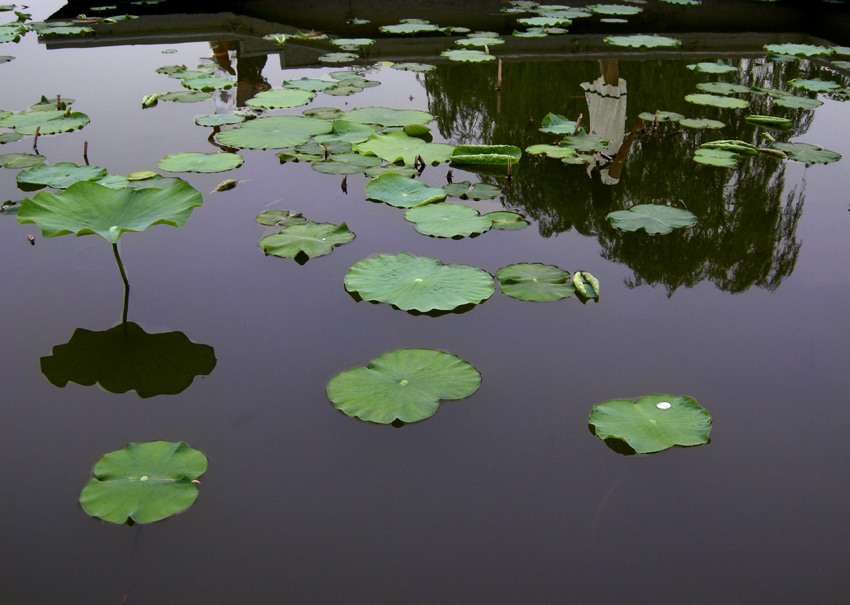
x=502 y=497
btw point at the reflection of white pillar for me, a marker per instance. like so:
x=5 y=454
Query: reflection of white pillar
x=606 y=105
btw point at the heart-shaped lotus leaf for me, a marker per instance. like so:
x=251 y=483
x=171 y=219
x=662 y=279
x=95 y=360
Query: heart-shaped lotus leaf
x=185 y=96
x=346 y=163
x=797 y=102
x=420 y=67
x=126 y=358
x=338 y=57
x=350 y=132
x=281 y=97
x=642 y=41
x=715 y=157
x=280 y=218
x=467 y=55
x=418 y=283
x=408 y=28
x=477 y=192
x=700 y=123
x=614 y=9
x=20 y=160
x=652 y=423
x=405 y=385
x=396 y=146
x=557 y=124
x=506 y=221
x=800 y=50
x=814 y=84
x=587 y=143
x=551 y=21
x=445 y=219
x=479 y=42
x=219 y=119
x=309 y=84
x=274 y=132
x=661 y=116
x=59 y=176
x=652 y=218
x=408 y=171
x=712 y=68
x=498 y=155
x=387 y=117
x=144 y=482
x=717 y=101
x=208 y=83
x=200 y=162
x=402 y=192
x=805 y=152
x=535 y=282
x=85 y=208
x=310 y=239
x=723 y=88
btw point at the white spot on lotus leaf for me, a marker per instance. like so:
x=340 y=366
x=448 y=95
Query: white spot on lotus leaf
x=143 y=478
x=663 y=405
x=114 y=228
x=403 y=382
x=418 y=279
x=653 y=421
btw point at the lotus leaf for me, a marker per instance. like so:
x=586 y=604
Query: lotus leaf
x=506 y=221
x=535 y=282
x=805 y=152
x=387 y=117
x=842 y=50
x=396 y=146
x=60 y=29
x=723 y=88
x=344 y=89
x=402 y=192
x=585 y=142
x=715 y=157
x=201 y=162
x=531 y=33
x=768 y=121
x=113 y=181
x=208 y=83
x=296 y=156
x=310 y=239
x=701 y=123
x=652 y=423
x=343 y=75
x=470 y=56
x=170 y=69
x=154 y=182
x=814 y=85
x=797 y=102
x=465 y=191
x=219 y=119
x=141 y=175
x=642 y=41
x=346 y=163
x=60 y=175
x=144 y=482
x=417 y=130
x=10 y=137
x=11 y=32
x=274 y=132
x=309 y=84
x=445 y=219
x=185 y=96
x=280 y=218
x=479 y=42
x=324 y=113
x=408 y=28
x=486 y=154
x=685 y=2
x=20 y=160
x=716 y=101
x=652 y=218
x=420 y=67
x=838 y=64
x=405 y=384
x=48 y=122
x=418 y=283
x=586 y=285
x=556 y=124
x=338 y=57
x=321 y=149
x=280 y=98
x=86 y=208
x=407 y=171
x=5 y=58
x=614 y=9
x=548 y=21
x=559 y=10
x=554 y=151
x=126 y=358
x=713 y=68
x=661 y=116
x=189 y=74
x=800 y=50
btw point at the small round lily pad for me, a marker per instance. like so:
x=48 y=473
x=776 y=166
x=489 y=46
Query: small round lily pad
x=310 y=239
x=535 y=282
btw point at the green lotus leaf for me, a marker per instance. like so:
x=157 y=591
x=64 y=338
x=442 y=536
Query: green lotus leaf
x=769 y=121
x=296 y=156
x=684 y=2
x=396 y=146
x=723 y=88
x=281 y=97
x=716 y=157
x=346 y=75
x=552 y=151
x=548 y=21
x=418 y=283
x=717 y=101
x=553 y=123
x=344 y=90
x=11 y=32
x=170 y=69
x=560 y=10
x=310 y=239
x=661 y=116
x=59 y=176
x=642 y=41
x=48 y=122
x=309 y=84
x=20 y=160
x=486 y=155
x=280 y=218
x=814 y=85
x=800 y=50
x=405 y=385
x=189 y=74
x=200 y=162
x=466 y=55
x=219 y=119
x=587 y=286
x=324 y=113
x=465 y=191
x=208 y=83
x=141 y=175
x=842 y=50
x=113 y=181
x=402 y=170
x=614 y=9
x=701 y=123
x=652 y=218
x=585 y=142
x=408 y=28
x=531 y=33
x=385 y=116
x=10 y=137
x=797 y=102
x=418 y=130
x=85 y=208
x=444 y=219
x=838 y=64
x=535 y=282
x=126 y=358
x=652 y=423
x=805 y=152
x=185 y=96
x=402 y=192
x=479 y=42
x=353 y=42
x=420 y=67
x=60 y=28
x=144 y=482
x=338 y=57
x=274 y=132
x=346 y=163
x=5 y=58
x=712 y=68
x=329 y=147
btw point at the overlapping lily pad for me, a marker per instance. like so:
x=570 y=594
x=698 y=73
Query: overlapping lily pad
x=346 y=163
x=396 y=146
x=274 y=132
x=308 y=240
x=59 y=176
x=219 y=119
x=506 y=221
x=535 y=282
x=722 y=88
x=661 y=116
x=701 y=123
x=652 y=218
x=793 y=102
x=814 y=84
x=614 y=9
x=444 y=219
x=309 y=84
x=799 y=50
x=715 y=157
x=553 y=123
x=386 y=116
x=402 y=192
x=350 y=132
x=280 y=218
x=208 y=83
x=584 y=142
x=405 y=385
x=201 y=162
x=185 y=96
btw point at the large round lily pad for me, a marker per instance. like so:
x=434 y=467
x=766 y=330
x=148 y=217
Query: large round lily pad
x=405 y=385
x=535 y=282
x=45 y=121
x=308 y=240
x=143 y=482
x=652 y=218
x=418 y=283
x=653 y=423
x=445 y=219
x=274 y=132
x=201 y=162
x=402 y=192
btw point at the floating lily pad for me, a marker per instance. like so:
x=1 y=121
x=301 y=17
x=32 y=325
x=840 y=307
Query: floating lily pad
x=498 y=155
x=185 y=96
x=208 y=83
x=717 y=101
x=553 y=151
x=397 y=146
x=418 y=283
x=309 y=240
x=805 y=152
x=585 y=142
x=113 y=181
x=553 y=123
x=10 y=137
x=126 y=358
x=200 y=162
x=59 y=176
x=548 y=21
x=814 y=84
x=354 y=42
x=47 y=122
x=715 y=157
x=405 y=385
x=712 y=68
x=419 y=67
x=5 y=58
x=346 y=163
x=653 y=423
x=60 y=28
x=280 y=218
x=701 y=123
x=309 y=84
x=141 y=175
x=324 y=113
x=661 y=116
x=614 y=9
x=652 y=218
x=506 y=221
x=274 y=132
x=797 y=102
x=769 y=121
x=444 y=219
x=280 y=98
x=722 y=88
x=535 y=282
x=403 y=170
x=86 y=208
x=409 y=28
x=385 y=116
x=20 y=160
x=144 y=482
x=479 y=42
x=402 y=192
x=338 y=58
x=219 y=119
x=466 y=55
x=838 y=64
x=466 y=191
x=642 y=41
x=800 y=50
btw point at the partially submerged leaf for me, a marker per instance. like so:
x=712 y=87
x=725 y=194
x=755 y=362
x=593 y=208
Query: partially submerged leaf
x=444 y=219
x=346 y=163
x=280 y=218
x=814 y=84
x=553 y=123
x=652 y=218
x=808 y=153
x=535 y=282
x=401 y=192
x=465 y=191
x=309 y=239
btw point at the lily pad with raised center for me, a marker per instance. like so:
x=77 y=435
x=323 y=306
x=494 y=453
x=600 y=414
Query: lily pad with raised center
x=466 y=191
x=144 y=482
x=444 y=219
x=280 y=218
x=126 y=358
x=712 y=68
x=405 y=385
x=20 y=160
x=396 y=146
x=59 y=176
x=219 y=119
x=497 y=155
x=652 y=218
x=716 y=157
x=506 y=221
x=281 y=98
x=717 y=101
x=535 y=282
x=418 y=283
x=643 y=41
x=808 y=153
x=652 y=423
x=308 y=240
x=814 y=84
x=86 y=208
x=793 y=102
x=274 y=132
x=701 y=123
x=467 y=55
x=402 y=192
x=385 y=116
x=346 y=163
x=200 y=162
x=208 y=83
x=799 y=50
x=553 y=123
